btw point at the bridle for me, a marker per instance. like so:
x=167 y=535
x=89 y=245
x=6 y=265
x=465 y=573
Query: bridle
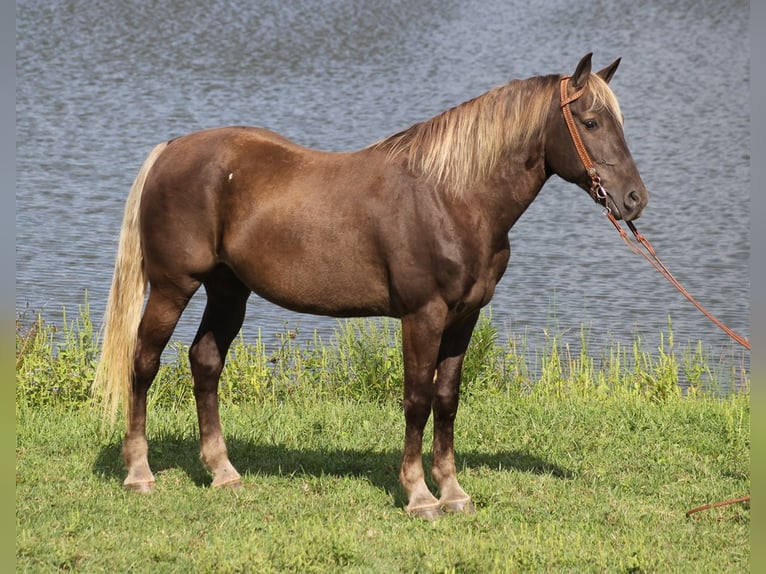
x=597 y=191
x=599 y=195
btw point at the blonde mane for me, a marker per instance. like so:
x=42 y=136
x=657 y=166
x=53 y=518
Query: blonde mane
x=464 y=144
x=602 y=97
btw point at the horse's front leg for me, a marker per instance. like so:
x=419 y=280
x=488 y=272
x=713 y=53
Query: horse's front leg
x=445 y=403
x=421 y=336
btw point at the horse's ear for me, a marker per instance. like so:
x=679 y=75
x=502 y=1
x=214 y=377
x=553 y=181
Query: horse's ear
x=607 y=73
x=582 y=72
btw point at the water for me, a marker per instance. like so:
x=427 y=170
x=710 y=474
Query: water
x=98 y=84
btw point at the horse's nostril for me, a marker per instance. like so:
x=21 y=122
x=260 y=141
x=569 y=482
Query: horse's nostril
x=632 y=199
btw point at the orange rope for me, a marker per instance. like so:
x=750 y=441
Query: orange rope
x=660 y=266
x=717 y=504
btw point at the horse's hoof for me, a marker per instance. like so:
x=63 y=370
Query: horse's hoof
x=140 y=487
x=430 y=513
x=234 y=484
x=464 y=506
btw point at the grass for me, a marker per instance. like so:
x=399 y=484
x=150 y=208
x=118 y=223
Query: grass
x=589 y=466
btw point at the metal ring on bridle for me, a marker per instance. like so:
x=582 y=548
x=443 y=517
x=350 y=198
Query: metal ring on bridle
x=599 y=192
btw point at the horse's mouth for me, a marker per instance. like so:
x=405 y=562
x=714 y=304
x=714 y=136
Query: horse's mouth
x=635 y=214
x=628 y=213
x=631 y=214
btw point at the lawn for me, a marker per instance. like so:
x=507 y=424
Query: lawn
x=585 y=468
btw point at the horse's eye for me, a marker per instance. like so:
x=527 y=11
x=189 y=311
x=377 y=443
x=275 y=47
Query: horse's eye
x=590 y=124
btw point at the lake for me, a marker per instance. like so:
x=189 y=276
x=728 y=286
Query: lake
x=99 y=84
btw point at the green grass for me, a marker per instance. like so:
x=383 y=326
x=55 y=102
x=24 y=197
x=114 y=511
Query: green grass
x=589 y=466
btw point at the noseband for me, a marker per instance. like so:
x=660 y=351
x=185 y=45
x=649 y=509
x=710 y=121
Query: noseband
x=597 y=191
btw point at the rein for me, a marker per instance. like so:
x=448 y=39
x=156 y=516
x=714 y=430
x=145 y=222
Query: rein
x=599 y=195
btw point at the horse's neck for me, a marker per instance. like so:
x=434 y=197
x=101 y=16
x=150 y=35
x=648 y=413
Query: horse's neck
x=515 y=184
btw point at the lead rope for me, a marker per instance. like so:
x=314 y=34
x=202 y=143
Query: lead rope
x=599 y=194
x=652 y=258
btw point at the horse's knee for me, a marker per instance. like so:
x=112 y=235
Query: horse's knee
x=206 y=362
x=417 y=407
x=446 y=399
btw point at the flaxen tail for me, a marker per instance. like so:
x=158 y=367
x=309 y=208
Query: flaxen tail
x=113 y=379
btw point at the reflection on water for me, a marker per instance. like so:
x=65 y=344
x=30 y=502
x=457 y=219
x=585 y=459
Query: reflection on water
x=98 y=84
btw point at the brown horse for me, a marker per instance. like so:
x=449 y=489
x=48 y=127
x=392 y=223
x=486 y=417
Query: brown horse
x=414 y=226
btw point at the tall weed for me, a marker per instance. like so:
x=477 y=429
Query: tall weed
x=52 y=365
x=362 y=361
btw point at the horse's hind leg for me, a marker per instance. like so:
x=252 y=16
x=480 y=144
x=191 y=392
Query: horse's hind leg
x=163 y=308
x=223 y=317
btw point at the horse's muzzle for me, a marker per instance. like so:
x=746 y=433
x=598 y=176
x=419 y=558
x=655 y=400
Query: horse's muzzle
x=633 y=204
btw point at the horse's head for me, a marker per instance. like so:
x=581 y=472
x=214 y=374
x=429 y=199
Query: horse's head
x=585 y=144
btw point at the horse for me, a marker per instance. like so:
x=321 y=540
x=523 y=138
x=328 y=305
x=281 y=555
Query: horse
x=414 y=226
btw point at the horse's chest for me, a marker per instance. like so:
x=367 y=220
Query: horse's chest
x=469 y=286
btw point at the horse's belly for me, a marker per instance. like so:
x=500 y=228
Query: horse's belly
x=324 y=284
